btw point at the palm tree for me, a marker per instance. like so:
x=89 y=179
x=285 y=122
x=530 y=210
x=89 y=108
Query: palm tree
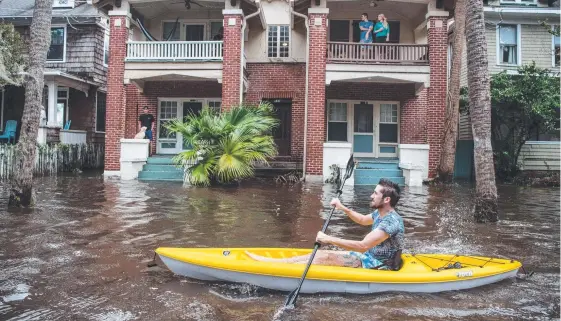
x=447 y=158
x=21 y=193
x=224 y=147
x=486 y=208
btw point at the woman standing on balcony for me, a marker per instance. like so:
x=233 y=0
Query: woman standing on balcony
x=382 y=29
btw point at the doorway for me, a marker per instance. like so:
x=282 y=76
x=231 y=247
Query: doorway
x=282 y=133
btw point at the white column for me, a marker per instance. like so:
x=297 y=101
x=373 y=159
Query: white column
x=53 y=96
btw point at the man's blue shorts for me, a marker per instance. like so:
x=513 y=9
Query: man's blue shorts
x=148 y=134
x=368 y=261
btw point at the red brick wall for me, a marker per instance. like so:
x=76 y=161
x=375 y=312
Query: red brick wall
x=232 y=62
x=164 y=89
x=436 y=108
x=115 y=122
x=316 y=95
x=268 y=80
x=413 y=129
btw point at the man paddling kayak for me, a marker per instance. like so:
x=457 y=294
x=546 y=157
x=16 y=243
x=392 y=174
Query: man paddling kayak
x=380 y=249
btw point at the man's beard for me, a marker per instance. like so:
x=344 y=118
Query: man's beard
x=374 y=206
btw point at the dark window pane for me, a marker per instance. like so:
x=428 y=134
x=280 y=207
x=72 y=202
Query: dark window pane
x=100 y=113
x=194 y=32
x=394 y=31
x=364 y=119
x=337 y=132
x=356 y=31
x=168 y=27
x=56 y=50
x=339 y=30
x=388 y=133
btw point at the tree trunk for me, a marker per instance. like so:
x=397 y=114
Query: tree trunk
x=21 y=193
x=448 y=156
x=479 y=85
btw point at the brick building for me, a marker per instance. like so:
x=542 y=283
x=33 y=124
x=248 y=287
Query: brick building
x=332 y=93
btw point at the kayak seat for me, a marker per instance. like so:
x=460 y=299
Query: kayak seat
x=395 y=263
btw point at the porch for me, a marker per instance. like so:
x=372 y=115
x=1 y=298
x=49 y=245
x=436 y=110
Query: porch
x=73 y=110
x=382 y=125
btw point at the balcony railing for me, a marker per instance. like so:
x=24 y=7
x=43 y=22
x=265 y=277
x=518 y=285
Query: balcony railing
x=344 y=52
x=174 y=50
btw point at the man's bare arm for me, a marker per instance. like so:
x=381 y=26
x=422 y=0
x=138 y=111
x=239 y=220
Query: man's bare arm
x=355 y=216
x=370 y=240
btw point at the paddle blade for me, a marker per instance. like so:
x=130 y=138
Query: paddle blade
x=350 y=167
x=291 y=299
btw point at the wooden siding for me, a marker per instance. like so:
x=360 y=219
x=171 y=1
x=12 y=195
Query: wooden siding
x=464 y=127
x=540 y=156
x=84 y=52
x=535 y=46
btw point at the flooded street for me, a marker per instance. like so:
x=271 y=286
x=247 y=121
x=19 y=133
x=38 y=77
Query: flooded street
x=82 y=253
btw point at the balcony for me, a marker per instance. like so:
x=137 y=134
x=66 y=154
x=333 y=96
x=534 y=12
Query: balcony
x=174 y=51
x=360 y=53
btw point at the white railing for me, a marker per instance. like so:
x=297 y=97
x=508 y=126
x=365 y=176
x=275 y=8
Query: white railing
x=344 y=52
x=174 y=50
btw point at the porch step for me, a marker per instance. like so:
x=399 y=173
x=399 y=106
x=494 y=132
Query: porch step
x=161 y=160
x=151 y=167
x=160 y=168
x=160 y=176
x=369 y=171
x=373 y=180
x=377 y=172
x=372 y=163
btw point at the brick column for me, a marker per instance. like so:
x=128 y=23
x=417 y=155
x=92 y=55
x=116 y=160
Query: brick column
x=436 y=109
x=231 y=57
x=316 y=90
x=115 y=112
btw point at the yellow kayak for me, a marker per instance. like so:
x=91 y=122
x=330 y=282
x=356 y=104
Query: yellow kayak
x=419 y=273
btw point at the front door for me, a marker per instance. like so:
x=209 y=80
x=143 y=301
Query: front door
x=190 y=107
x=363 y=130
x=281 y=134
x=168 y=142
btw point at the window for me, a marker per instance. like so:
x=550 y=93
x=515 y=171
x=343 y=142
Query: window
x=62 y=106
x=106 y=48
x=339 y=30
x=168 y=112
x=100 y=104
x=278 y=41
x=508 y=44
x=556 y=47
x=215 y=106
x=167 y=28
x=58 y=44
x=215 y=33
x=519 y=2
x=388 y=123
x=337 y=122
x=2 y=108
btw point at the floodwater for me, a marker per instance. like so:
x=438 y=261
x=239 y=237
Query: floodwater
x=82 y=253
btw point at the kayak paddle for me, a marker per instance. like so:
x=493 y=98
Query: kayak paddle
x=291 y=299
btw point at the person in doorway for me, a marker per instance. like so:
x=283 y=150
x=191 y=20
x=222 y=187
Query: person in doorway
x=220 y=35
x=147 y=120
x=380 y=249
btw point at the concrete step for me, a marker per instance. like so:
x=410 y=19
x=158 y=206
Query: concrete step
x=372 y=180
x=161 y=160
x=378 y=172
x=377 y=165
x=161 y=168
x=160 y=175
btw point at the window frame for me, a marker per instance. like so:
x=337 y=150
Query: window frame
x=553 y=46
x=520 y=2
x=96 y=106
x=518 y=44
x=106 y=47
x=335 y=101
x=278 y=42
x=64 y=44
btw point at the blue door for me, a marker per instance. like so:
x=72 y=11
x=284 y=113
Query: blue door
x=363 y=130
